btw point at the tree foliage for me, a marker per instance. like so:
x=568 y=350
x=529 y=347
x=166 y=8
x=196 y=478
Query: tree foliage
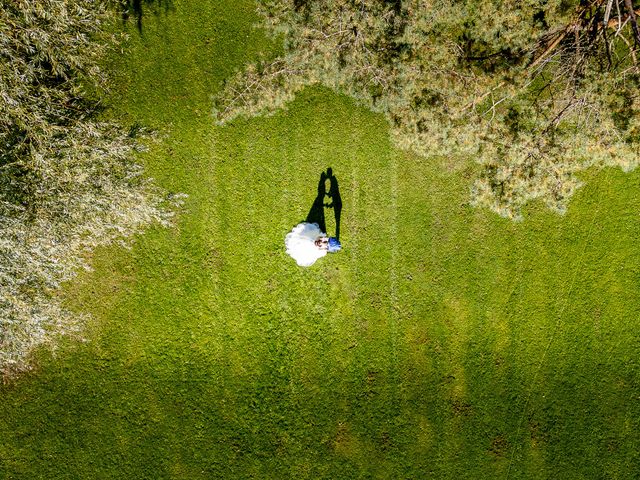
x=67 y=180
x=534 y=91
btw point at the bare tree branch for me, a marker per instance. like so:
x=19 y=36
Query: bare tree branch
x=634 y=23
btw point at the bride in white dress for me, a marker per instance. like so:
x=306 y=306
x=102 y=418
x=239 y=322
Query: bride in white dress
x=306 y=243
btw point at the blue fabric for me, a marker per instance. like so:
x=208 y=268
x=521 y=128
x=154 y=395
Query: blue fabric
x=334 y=245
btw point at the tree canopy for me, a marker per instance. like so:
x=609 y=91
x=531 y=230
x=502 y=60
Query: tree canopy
x=534 y=91
x=67 y=179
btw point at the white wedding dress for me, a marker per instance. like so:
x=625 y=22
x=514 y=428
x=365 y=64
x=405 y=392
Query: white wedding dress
x=300 y=243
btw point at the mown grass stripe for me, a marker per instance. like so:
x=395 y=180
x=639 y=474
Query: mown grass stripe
x=407 y=355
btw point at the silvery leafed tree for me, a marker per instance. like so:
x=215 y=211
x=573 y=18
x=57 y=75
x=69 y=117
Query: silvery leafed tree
x=67 y=180
x=536 y=92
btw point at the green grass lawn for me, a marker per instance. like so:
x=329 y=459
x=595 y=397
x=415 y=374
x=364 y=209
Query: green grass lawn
x=443 y=341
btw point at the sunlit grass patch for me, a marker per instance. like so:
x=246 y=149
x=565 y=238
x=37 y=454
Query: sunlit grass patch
x=442 y=342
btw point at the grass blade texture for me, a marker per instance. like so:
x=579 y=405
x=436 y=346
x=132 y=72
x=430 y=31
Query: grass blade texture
x=442 y=342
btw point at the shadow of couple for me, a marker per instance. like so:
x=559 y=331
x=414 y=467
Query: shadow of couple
x=316 y=214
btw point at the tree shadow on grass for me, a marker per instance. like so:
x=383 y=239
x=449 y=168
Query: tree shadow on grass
x=316 y=213
x=137 y=9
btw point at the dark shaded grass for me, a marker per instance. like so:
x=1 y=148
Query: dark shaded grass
x=442 y=342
